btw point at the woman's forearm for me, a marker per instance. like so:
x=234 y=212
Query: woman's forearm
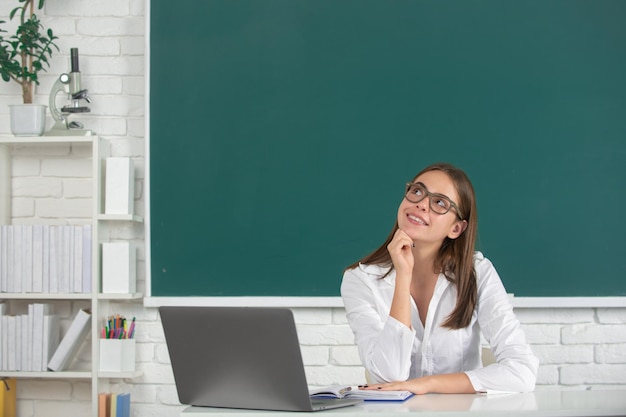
x=401 y=302
x=457 y=383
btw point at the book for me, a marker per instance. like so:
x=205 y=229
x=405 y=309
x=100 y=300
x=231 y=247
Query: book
x=347 y=391
x=37 y=262
x=53 y=259
x=87 y=259
x=66 y=272
x=45 y=259
x=119 y=186
x=8 y=390
x=18 y=342
x=4 y=258
x=10 y=260
x=104 y=404
x=26 y=343
x=70 y=343
x=51 y=332
x=39 y=311
x=4 y=339
x=123 y=405
x=12 y=343
x=77 y=259
x=3 y=336
x=113 y=405
x=29 y=336
x=119 y=267
x=27 y=258
x=15 y=279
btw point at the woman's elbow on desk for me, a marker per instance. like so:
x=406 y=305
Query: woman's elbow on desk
x=501 y=377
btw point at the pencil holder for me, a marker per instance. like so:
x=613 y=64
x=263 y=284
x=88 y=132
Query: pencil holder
x=117 y=355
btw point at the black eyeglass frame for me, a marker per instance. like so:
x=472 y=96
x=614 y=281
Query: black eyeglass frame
x=430 y=196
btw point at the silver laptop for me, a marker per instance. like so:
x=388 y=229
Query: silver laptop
x=239 y=357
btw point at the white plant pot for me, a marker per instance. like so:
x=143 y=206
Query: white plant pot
x=28 y=119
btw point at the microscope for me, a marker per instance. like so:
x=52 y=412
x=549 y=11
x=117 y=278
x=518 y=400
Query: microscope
x=70 y=85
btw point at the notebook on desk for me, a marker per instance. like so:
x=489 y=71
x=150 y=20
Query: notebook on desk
x=239 y=357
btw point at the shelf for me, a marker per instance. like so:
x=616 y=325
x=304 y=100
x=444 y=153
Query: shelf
x=44 y=296
x=133 y=296
x=68 y=374
x=121 y=217
x=59 y=296
x=51 y=375
x=17 y=140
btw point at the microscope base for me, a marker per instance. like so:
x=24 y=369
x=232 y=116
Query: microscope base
x=59 y=129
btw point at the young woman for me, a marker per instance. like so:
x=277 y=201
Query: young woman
x=417 y=305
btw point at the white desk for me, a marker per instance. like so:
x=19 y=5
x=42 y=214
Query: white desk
x=547 y=403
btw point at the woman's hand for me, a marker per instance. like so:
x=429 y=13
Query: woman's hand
x=457 y=383
x=416 y=386
x=400 y=249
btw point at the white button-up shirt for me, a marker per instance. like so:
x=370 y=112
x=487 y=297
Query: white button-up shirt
x=390 y=351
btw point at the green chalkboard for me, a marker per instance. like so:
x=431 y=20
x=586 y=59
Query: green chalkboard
x=282 y=133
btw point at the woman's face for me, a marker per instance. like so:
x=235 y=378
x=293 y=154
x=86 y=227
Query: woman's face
x=420 y=222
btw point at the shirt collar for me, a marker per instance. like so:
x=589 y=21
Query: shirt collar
x=374 y=269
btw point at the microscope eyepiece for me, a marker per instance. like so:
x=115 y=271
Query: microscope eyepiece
x=74 y=59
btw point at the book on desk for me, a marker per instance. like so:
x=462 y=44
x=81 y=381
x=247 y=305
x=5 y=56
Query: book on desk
x=347 y=391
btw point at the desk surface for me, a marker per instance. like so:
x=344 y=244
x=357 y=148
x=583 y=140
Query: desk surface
x=547 y=403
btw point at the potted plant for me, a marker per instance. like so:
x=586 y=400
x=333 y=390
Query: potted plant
x=22 y=56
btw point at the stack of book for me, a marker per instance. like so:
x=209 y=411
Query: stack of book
x=27 y=341
x=45 y=259
x=113 y=405
x=31 y=342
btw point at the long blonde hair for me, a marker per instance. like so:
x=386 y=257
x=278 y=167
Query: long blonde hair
x=456 y=256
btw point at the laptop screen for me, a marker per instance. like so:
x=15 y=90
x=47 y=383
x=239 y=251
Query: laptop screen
x=236 y=357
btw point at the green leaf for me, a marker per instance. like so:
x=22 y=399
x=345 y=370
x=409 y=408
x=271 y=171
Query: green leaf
x=28 y=44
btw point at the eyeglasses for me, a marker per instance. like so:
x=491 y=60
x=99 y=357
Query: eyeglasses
x=439 y=203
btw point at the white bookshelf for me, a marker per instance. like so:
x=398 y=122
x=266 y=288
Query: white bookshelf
x=97 y=302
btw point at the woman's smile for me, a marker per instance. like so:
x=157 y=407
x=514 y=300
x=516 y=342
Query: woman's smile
x=415 y=219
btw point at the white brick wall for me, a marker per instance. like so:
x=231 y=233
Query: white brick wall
x=578 y=347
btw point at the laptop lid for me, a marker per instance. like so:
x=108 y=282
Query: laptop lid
x=237 y=357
